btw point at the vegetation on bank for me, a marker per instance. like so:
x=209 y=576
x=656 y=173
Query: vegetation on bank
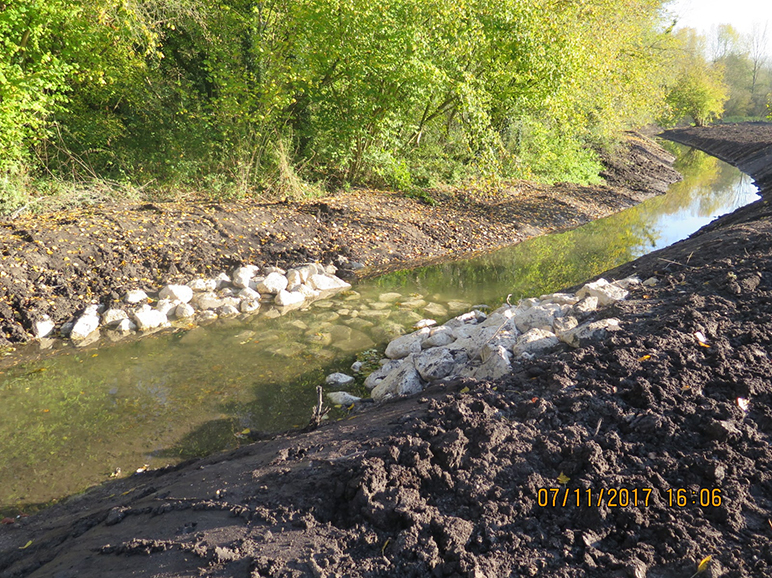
x=160 y=98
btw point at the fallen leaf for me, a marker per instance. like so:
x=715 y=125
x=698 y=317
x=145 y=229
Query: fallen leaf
x=644 y=358
x=27 y=545
x=702 y=566
x=563 y=479
x=7 y=521
x=534 y=399
x=465 y=390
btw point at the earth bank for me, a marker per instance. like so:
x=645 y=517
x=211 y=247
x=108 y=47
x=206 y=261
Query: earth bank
x=448 y=484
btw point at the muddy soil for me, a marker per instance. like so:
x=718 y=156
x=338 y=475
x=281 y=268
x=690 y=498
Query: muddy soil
x=656 y=442
x=56 y=264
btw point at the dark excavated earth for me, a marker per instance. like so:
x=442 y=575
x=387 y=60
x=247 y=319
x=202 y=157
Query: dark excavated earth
x=449 y=483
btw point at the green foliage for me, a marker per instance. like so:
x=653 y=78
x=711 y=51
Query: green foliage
x=699 y=91
x=250 y=95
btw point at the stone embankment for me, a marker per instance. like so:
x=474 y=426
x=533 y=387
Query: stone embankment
x=198 y=301
x=484 y=347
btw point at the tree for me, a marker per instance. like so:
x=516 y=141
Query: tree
x=699 y=91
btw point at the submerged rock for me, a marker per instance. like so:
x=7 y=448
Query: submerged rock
x=339 y=379
x=342 y=398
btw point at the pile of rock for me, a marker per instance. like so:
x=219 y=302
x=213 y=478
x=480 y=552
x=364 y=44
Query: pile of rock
x=484 y=346
x=201 y=300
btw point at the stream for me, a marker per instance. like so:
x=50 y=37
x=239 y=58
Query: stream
x=74 y=419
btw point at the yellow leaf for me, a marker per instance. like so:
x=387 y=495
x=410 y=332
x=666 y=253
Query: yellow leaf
x=644 y=358
x=702 y=566
x=246 y=432
x=27 y=545
x=563 y=479
x=465 y=390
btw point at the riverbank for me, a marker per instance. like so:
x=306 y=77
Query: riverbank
x=59 y=264
x=448 y=483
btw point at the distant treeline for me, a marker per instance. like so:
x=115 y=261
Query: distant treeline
x=235 y=97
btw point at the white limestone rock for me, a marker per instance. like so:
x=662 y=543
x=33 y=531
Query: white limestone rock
x=497 y=365
x=584 y=308
x=135 y=296
x=247 y=293
x=272 y=284
x=439 y=336
x=559 y=298
x=222 y=280
x=182 y=293
x=339 y=379
x=563 y=324
x=125 y=326
x=435 y=364
x=628 y=282
x=85 y=325
x=308 y=292
x=407 y=344
x=294 y=277
x=289 y=298
x=380 y=374
x=242 y=276
x=469 y=318
x=207 y=300
x=589 y=332
x=271 y=269
x=227 y=310
x=112 y=317
x=404 y=380
x=606 y=292
x=535 y=342
x=327 y=283
x=234 y=302
x=43 y=327
x=538 y=316
x=206 y=316
x=166 y=306
x=342 y=398
x=202 y=285
x=147 y=319
x=184 y=311
x=249 y=306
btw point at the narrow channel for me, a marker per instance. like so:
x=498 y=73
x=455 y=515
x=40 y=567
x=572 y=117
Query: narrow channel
x=73 y=420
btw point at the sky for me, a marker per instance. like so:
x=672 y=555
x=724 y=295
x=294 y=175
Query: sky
x=704 y=15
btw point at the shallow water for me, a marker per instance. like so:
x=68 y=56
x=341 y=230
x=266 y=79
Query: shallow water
x=72 y=420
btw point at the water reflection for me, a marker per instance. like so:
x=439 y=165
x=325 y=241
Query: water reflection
x=69 y=421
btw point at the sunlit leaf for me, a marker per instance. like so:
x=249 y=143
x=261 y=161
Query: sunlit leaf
x=27 y=545
x=563 y=479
